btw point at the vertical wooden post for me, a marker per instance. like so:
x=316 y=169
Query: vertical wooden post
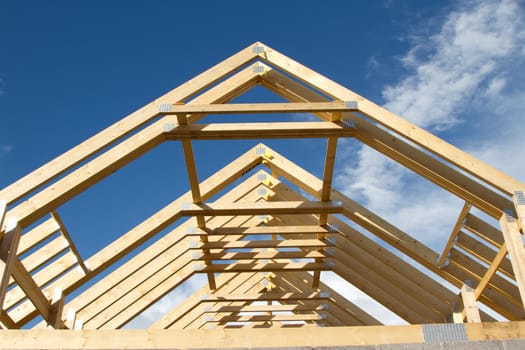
x=8 y=248
x=512 y=237
x=196 y=194
x=328 y=173
x=519 y=203
x=469 y=304
x=55 y=311
x=71 y=316
x=457 y=312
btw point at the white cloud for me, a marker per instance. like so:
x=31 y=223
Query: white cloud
x=449 y=67
x=466 y=79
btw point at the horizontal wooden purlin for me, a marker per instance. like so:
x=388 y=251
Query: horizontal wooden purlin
x=287 y=243
x=268 y=318
x=309 y=306
x=217 y=297
x=262 y=255
x=261 y=230
x=241 y=131
x=261 y=208
x=262 y=267
x=247 y=108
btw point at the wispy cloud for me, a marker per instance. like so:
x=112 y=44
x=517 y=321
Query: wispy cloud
x=5 y=150
x=452 y=65
x=462 y=78
x=2 y=86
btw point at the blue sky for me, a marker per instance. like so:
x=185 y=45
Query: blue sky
x=68 y=69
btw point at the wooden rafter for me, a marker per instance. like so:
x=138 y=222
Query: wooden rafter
x=262 y=243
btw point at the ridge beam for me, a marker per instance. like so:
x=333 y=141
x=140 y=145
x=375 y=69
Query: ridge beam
x=248 y=108
x=262 y=208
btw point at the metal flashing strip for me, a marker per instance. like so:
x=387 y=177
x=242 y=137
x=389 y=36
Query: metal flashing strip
x=435 y=333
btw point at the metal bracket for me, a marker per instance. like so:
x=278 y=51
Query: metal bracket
x=351 y=104
x=437 y=333
x=165 y=107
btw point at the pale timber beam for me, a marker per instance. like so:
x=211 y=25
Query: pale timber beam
x=493 y=268
x=8 y=246
x=469 y=304
x=396 y=148
x=238 y=283
x=514 y=244
x=135 y=237
x=453 y=235
x=262 y=208
x=348 y=310
x=144 y=286
x=406 y=297
x=483 y=230
x=407 y=130
x=190 y=304
x=248 y=108
x=124 y=126
x=88 y=174
x=31 y=289
x=71 y=244
x=263 y=230
x=485 y=253
x=195 y=190
x=328 y=173
x=262 y=255
x=287 y=243
x=392 y=235
x=431 y=168
x=242 y=131
x=3 y=210
x=261 y=267
x=37 y=235
x=519 y=203
x=329 y=337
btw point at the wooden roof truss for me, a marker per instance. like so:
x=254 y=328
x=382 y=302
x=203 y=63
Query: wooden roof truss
x=262 y=245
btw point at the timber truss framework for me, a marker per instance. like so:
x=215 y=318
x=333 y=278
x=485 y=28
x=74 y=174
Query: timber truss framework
x=262 y=245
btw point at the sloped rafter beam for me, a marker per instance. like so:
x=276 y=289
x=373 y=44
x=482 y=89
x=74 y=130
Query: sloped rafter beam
x=147 y=229
x=392 y=235
x=220 y=93
x=398 y=149
x=395 y=123
x=126 y=125
x=126 y=281
x=411 y=295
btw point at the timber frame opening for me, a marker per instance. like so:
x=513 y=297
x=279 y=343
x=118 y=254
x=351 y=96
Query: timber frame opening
x=262 y=245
